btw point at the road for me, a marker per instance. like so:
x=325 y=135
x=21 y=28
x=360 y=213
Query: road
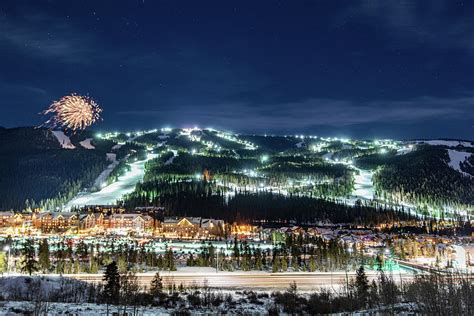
x=250 y=280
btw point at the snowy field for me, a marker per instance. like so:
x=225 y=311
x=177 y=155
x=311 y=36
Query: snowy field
x=363 y=186
x=23 y=295
x=448 y=143
x=113 y=192
x=87 y=143
x=456 y=158
x=63 y=140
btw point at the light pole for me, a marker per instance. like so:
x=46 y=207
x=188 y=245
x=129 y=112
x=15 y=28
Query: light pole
x=7 y=248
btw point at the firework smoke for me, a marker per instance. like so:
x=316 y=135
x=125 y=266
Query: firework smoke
x=73 y=112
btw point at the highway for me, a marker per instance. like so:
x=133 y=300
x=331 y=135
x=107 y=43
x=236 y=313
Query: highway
x=250 y=280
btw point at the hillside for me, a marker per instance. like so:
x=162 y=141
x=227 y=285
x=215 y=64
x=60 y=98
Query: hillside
x=434 y=176
x=38 y=165
x=431 y=177
x=47 y=168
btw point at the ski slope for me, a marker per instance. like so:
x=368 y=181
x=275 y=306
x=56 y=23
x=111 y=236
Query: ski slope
x=115 y=191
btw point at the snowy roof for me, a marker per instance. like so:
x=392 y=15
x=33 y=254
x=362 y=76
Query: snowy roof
x=206 y=222
x=175 y=220
x=126 y=216
x=56 y=215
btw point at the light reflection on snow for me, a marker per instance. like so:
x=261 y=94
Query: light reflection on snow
x=363 y=186
x=113 y=192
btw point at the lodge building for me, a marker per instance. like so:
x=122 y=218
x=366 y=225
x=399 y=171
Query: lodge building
x=115 y=223
x=191 y=227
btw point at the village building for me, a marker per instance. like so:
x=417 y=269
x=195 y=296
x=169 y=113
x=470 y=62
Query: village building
x=131 y=222
x=190 y=227
x=6 y=219
x=55 y=221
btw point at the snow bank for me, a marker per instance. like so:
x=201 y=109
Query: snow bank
x=86 y=309
x=456 y=158
x=63 y=140
x=38 y=287
x=86 y=143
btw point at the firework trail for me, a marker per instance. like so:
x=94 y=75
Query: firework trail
x=73 y=112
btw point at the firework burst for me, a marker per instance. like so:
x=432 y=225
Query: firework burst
x=73 y=112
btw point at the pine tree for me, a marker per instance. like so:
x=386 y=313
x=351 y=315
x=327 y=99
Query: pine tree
x=284 y=264
x=236 y=251
x=169 y=262
x=29 y=263
x=122 y=264
x=362 y=286
x=373 y=294
x=93 y=265
x=3 y=262
x=276 y=265
x=245 y=264
x=44 y=260
x=294 y=263
x=258 y=259
x=112 y=283
x=312 y=264
x=156 y=285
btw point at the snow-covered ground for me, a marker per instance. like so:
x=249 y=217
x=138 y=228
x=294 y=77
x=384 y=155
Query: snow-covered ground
x=63 y=140
x=86 y=143
x=102 y=178
x=456 y=158
x=46 y=308
x=113 y=192
x=448 y=143
x=405 y=150
x=363 y=186
x=22 y=295
x=15 y=286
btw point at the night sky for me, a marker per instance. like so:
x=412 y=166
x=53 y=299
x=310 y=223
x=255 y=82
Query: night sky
x=330 y=68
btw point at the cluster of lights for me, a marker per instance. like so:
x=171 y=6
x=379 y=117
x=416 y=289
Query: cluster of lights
x=248 y=145
x=250 y=173
x=188 y=131
x=210 y=145
x=318 y=147
x=111 y=135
